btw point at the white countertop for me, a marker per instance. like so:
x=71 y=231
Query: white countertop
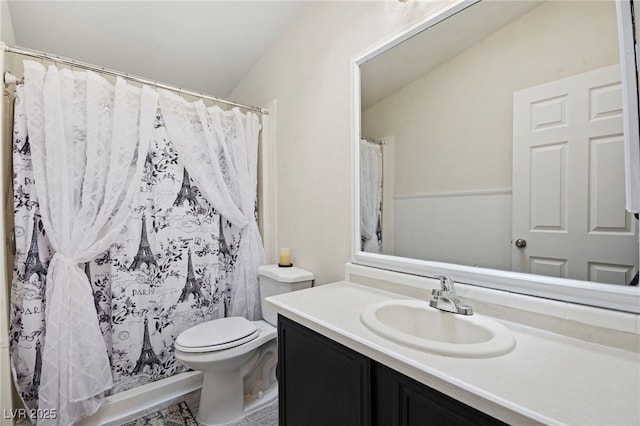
x=548 y=378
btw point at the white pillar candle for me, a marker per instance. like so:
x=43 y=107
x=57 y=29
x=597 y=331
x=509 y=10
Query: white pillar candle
x=285 y=256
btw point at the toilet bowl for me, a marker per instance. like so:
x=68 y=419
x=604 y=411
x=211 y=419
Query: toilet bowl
x=225 y=396
x=238 y=357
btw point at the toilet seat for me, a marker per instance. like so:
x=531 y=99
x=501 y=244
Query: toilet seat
x=216 y=335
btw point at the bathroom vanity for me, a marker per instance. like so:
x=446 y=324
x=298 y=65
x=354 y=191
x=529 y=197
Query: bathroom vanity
x=577 y=335
x=335 y=370
x=325 y=383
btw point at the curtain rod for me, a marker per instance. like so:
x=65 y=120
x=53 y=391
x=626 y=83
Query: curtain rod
x=102 y=70
x=372 y=140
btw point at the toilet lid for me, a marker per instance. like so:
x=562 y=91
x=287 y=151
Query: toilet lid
x=217 y=334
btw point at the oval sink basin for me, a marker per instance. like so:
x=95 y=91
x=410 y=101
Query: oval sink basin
x=415 y=324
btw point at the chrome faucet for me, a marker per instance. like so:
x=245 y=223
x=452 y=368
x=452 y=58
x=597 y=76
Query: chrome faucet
x=446 y=299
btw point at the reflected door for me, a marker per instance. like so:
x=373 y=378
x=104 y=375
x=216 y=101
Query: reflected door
x=569 y=218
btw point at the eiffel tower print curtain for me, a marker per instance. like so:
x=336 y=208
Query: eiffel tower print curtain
x=222 y=148
x=174 y=262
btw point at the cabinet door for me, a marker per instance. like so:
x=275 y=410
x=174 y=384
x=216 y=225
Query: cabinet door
x=402 y=401
x=320 y=381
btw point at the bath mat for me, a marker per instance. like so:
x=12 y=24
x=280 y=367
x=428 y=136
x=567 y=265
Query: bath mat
x=175 y=415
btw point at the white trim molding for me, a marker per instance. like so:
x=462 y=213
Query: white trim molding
x=267 y=183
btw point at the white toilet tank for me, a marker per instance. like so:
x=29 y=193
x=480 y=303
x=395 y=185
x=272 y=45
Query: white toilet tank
x=275 y=279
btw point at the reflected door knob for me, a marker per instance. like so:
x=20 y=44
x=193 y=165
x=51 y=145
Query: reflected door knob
x=520 y=243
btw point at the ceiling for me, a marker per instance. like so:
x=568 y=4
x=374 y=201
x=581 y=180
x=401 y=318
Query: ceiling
x=202 y=46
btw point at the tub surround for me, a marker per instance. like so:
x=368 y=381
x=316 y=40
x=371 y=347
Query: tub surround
x=548 y=378
x=133 y=403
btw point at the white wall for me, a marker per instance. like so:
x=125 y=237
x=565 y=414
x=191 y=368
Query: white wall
x=308 y=71
x=463 y=110
x=482 y=225
x=6 y=26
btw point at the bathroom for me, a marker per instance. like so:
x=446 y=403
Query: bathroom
x=305 y=81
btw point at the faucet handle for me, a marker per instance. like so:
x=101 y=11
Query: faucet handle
x=464 y=309
x=446 y=283
x=445 y=298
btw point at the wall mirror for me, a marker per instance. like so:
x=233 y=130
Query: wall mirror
x=490 y=146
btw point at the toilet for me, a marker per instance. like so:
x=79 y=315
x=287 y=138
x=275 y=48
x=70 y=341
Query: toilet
x=239 y=357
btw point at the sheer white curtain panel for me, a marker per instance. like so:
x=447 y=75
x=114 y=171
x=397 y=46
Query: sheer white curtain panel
x=370 y=194
x=89 y=139
x=221 y=149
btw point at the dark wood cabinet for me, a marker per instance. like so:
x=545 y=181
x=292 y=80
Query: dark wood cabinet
x=320 y=383
x=324 y=383
x=402 y=401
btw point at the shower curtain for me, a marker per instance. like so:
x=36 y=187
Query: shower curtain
x=370 y=196
x=172 y=261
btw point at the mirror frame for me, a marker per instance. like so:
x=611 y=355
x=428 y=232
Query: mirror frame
x=620 y=298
